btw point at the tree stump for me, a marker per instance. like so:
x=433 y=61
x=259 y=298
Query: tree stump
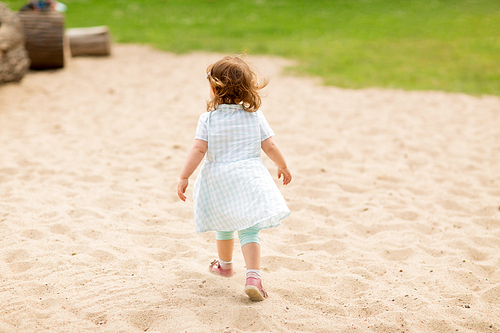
x=89 y=41
x=44 y=33
x=14 y=61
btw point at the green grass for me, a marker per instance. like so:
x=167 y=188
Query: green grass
x=450 y=45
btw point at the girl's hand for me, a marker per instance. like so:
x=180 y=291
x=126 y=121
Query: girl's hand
x=287 y=175
x=181 y=188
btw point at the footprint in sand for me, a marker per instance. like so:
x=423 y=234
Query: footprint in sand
x=113 y=202
x=274 y=263
x=250 y=319
x=59 y=229
x=397 y=254
x=162 y=256
x=350 y=286
x=352 y=189
x=18 y=261
x=488 y=223
x=98 y=318
x=79 y=213
x=142 y=320
x=492 y=295
x=333 y=247
x=33 y=234
x=408 y=215
x=8 y=172
x=488 y=211
x=103 y=256
x=452 y=205
x=476 y=255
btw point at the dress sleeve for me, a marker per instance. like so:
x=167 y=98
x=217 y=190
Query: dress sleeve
x=265 y=130
x=202 y=129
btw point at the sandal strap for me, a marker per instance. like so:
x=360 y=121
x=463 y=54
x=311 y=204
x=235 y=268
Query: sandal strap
x=215 y=262
x=215 y=267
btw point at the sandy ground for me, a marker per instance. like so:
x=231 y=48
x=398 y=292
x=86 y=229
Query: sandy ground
x=395 y=223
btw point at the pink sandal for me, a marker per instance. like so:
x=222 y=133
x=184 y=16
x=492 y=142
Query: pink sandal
x=254 y=290
x=216 y=268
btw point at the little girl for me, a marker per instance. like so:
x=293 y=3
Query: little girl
x=234 y=190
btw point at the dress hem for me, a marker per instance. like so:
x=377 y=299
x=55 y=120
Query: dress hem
x=277 y=217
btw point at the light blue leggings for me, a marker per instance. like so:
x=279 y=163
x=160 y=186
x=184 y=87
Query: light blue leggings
x=250 y=235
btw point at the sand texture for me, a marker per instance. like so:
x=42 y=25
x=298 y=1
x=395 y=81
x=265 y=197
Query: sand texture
x=395 y=223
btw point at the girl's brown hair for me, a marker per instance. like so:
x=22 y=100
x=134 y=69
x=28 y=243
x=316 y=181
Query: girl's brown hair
x=234 y=82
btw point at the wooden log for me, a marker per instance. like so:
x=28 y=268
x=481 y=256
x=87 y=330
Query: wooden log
x=44 y=34
x=89 y=41
x=14 y=61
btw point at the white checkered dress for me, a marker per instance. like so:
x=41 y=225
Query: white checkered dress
x=234 y=189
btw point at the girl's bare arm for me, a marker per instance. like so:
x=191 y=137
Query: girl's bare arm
x=272 y=150
x=193 y=159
